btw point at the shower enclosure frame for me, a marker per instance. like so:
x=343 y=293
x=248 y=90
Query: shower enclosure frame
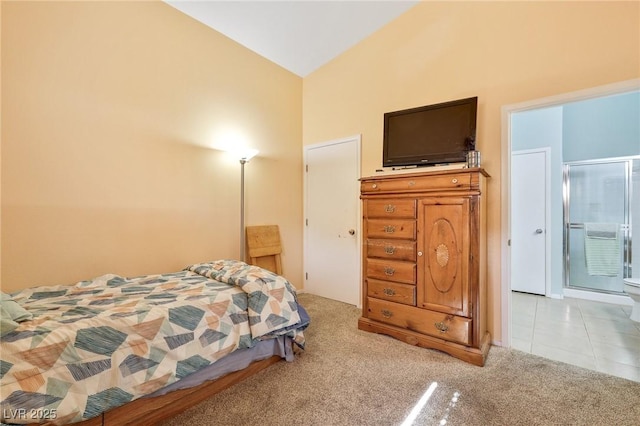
x=625 y=228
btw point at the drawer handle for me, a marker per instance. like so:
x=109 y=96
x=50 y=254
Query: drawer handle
x=388 y=271
x=389 y=291
x=374 y=186
x=412 y=182
x=454 y=180
x=442 y=327
x=386 y=313
x=389 y=229
x=390 y=208
x=389 y=249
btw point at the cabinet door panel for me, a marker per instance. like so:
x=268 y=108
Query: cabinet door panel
x=444 y=239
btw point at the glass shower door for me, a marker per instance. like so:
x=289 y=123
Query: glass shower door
x=596 y=198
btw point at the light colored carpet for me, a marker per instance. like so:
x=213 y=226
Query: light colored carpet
x=350 y=377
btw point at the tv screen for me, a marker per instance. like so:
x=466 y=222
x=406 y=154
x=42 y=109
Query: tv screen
x=431 y=134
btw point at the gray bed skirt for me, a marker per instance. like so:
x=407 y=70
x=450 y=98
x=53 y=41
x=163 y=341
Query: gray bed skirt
x=281 y=346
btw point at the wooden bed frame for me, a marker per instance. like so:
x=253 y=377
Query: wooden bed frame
x=148 y=411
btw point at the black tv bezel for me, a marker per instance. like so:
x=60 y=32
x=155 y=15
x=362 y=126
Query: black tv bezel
x=431 y=159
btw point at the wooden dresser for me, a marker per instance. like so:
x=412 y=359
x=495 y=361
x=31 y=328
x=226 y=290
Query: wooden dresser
x=424 y=260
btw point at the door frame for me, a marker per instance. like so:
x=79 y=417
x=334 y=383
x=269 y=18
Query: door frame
x=357 y=139
x=547 y=212
x=505 y=184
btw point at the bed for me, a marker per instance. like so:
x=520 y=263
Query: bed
x=112 y=350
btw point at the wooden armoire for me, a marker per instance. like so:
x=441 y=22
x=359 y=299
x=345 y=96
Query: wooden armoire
x=424 y=260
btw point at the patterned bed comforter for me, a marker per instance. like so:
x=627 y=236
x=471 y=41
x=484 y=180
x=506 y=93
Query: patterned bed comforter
x=101 y=343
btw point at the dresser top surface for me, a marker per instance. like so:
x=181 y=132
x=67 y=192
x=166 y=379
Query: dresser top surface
x=422 y=173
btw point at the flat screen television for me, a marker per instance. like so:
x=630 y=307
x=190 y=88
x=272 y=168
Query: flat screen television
x=431 y=134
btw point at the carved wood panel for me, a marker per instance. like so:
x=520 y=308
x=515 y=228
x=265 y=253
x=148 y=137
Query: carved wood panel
x=445 y=241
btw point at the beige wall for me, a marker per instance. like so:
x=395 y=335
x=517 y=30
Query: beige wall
x=502 y=52
x=108 y=113
x=108 y=110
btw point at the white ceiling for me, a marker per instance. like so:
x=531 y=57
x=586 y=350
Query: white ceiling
x=299 y=35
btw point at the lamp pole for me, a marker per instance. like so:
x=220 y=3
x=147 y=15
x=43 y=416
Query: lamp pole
x=243 y=161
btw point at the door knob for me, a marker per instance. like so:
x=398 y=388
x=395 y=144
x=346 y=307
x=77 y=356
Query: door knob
x=538 y=231
x=352 y=232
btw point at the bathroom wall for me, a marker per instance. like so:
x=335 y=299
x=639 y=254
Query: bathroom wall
x=602 y=128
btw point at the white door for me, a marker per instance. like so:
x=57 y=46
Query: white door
x=332 y=220
x=529 y=205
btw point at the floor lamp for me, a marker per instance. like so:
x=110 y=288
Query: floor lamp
x=245 y=156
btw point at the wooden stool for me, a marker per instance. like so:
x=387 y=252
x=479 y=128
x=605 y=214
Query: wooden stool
x=264 y=247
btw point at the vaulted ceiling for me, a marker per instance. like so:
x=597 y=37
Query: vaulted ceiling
x=300 y=36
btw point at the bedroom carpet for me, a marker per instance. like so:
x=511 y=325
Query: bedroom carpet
x=350 y=377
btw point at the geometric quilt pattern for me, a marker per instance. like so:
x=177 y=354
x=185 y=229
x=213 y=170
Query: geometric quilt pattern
x=104 y=342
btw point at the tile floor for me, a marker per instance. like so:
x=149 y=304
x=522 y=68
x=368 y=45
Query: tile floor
x=593 y=335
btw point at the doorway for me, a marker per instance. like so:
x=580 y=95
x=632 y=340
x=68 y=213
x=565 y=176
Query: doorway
x=507 y=169
x=332 y=220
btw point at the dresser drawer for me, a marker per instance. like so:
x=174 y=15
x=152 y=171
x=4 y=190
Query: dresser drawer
x=392 y=249
x=394 y=292
x=391 y=270
x=388 y=228
x=417 y=183
x=394 y=209
x=436 y=324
